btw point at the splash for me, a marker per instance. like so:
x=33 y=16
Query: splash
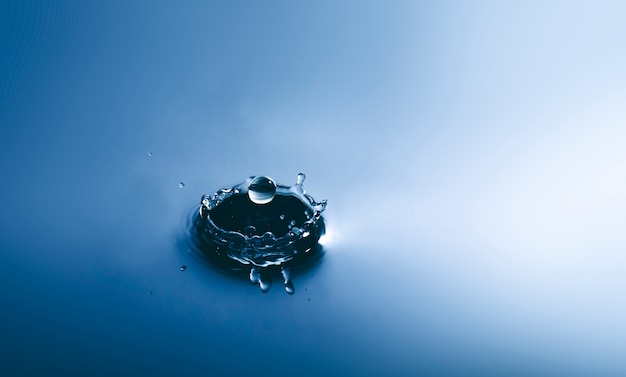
x=262 y=225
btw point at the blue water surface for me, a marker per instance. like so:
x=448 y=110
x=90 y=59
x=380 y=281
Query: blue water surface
x=471 y=154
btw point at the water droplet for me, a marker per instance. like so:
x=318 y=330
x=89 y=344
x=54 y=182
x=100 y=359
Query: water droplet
x=255 y=275
x=286 y=272
x=282 y=217
x=309 y=299
x=261 y=190
x=183 y=267
x=265 y=281
x=289 y=288
x=150 y=293
x=300 y=179
x=181 y=184
x=287 y=280
x=149 y=154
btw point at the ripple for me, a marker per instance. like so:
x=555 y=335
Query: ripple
x=229 y=232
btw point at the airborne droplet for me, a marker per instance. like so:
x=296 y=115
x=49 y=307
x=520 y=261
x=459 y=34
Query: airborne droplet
x=183 y=267
x=181 y=184
x=300 y=179
x=255 y=275
x=265 y=281
x=289 y=288
x=261 y=190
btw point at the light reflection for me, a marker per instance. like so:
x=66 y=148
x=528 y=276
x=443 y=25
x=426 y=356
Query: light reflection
x=327 y=238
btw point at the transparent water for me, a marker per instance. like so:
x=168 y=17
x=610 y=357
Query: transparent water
x=472 y=155
x=260 y=225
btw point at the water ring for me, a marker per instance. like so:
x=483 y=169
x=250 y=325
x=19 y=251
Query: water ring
x=260 y=224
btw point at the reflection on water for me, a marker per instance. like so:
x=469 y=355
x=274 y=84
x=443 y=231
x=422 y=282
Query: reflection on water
x=260 y=226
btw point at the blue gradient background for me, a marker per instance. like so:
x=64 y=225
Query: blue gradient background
x=472 y=154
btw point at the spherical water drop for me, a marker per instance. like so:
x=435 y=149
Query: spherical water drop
x=282 y=217
x=300 y=178
x=262 y=190
x=181 y=184
x=149 y=154
x=183 y=267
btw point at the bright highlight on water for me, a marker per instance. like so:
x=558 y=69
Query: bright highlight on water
x=262 y=190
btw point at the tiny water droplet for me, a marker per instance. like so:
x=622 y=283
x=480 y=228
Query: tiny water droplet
x=181 y=184
x=282 y=217
x=300 y=179
x=289 y=288
x=255 y=275
x=149 y=154
x=149 y=293
x=183 y=267
x=262 y=190
x=265 y=281
x=309 y=299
